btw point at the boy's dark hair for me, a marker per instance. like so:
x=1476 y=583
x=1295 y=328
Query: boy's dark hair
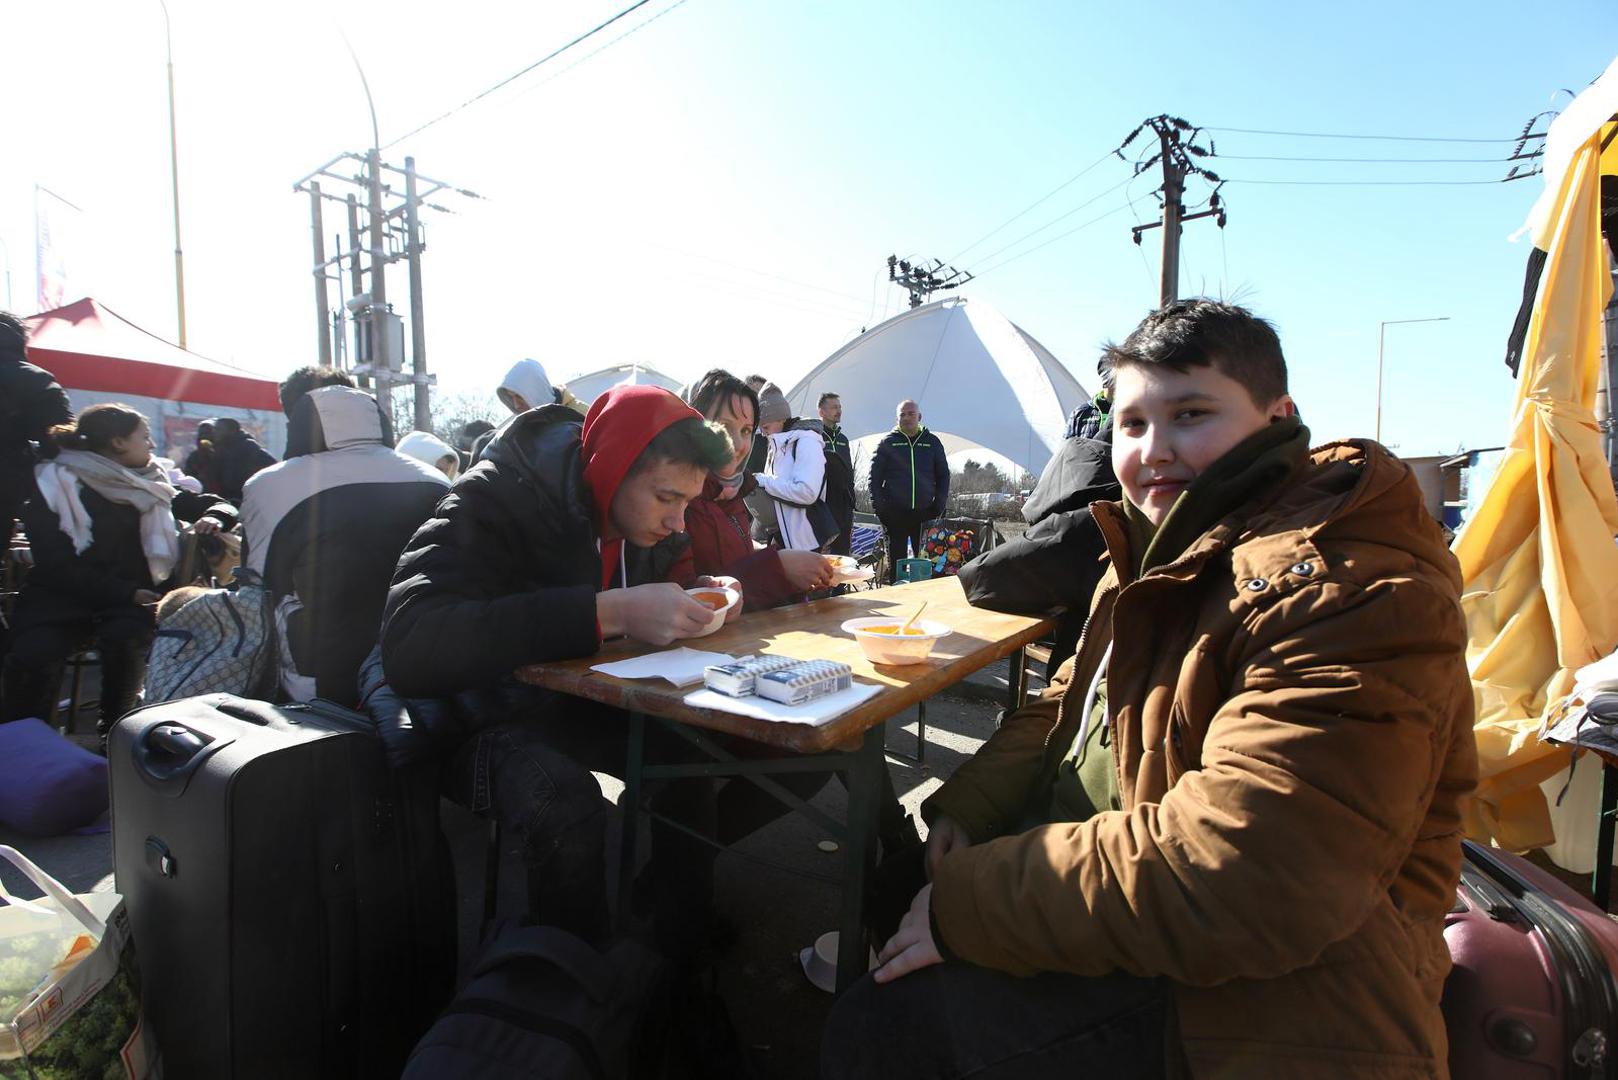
x=295 y=386
x=13 y=334
x=1207 y=333
x=687 y=442
x=828 y=396
x=718 y=387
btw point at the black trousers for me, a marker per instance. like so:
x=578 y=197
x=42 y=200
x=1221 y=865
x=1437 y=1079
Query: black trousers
x=903 y=528
x=959 y=1020
x=33 y=667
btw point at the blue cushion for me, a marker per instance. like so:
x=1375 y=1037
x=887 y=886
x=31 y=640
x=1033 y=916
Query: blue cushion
x=52 y=786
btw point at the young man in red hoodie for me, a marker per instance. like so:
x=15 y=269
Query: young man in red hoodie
x=563 y=535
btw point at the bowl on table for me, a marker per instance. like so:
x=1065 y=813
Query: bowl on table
x=719 y=600
x=879 y=636
x=846 y=568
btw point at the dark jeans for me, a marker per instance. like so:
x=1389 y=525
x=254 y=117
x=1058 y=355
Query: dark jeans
x=843 y=511
x=960 y=1020
x=957 y=1019
x=903 y=527
x=533 y=775
x=33 y=666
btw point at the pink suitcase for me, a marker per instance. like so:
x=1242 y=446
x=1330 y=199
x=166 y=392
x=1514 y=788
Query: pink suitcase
x=1532 y=993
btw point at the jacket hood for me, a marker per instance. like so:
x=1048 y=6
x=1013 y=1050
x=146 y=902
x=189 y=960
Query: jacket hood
x=426 y=447
x=335 y=418
x=616 y=429
x=814 y=424
x=528 y=378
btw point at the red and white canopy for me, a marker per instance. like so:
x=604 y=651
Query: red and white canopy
x=87 y=347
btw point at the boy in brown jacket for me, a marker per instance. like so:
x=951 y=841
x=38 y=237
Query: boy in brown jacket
x=1223 y=842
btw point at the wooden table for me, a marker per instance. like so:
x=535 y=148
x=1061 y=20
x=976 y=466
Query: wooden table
x=851 y=744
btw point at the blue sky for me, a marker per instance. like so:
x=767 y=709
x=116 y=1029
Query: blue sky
x=723 y=186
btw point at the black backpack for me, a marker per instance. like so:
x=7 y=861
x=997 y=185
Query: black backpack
x=542 y=1002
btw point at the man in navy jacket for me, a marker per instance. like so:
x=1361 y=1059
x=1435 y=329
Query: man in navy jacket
x=909 y=482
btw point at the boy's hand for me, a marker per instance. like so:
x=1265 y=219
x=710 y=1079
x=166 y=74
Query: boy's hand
x=723 y=582
x=205 y=526
x=806 y=571
x=656 y=614
x=913 y=947
x=944 y=836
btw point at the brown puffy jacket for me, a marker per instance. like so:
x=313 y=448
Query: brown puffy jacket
x=1292 y=731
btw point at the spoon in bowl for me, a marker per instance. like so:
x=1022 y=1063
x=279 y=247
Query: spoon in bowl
x=912 y=618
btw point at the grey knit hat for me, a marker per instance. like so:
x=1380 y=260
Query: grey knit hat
x=772 y=405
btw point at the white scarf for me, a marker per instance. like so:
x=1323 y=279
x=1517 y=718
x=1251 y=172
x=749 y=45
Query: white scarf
x=146 y=489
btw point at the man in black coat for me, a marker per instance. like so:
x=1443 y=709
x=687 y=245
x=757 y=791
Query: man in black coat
x=31 y=403
x=237 y=456
x=839 y=473
x=559 y=538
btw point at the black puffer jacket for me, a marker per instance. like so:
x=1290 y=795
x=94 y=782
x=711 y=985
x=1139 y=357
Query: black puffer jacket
x=1053 y=568
x=504 y=573
x=236 y=459
x=31 y=403
x=68 y=587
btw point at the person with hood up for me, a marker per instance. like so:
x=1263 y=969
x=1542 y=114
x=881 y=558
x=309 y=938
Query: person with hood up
x=102 y=525
x=1226 y=840
x=200 y=462
x=564 y=534
x=790 y=503
x=237 y=456
x=429 y=449
x=31 y=403
x=324 y=529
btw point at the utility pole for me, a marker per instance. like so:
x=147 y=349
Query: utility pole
x=921 y=281
x=322 y=307
x=418 y=331
x=1176 y=149
x=391 y=233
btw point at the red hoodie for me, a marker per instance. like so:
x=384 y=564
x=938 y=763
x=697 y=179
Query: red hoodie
x=721 y=544
x=617 y=428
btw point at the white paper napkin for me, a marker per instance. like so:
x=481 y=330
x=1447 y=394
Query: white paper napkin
x=680 y=667
x=815 y=713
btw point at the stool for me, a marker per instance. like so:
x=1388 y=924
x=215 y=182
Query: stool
x=78 y=662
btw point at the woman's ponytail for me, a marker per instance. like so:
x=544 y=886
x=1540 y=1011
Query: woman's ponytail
x=96 y=427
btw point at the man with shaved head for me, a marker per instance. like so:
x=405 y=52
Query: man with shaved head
x=909 y=482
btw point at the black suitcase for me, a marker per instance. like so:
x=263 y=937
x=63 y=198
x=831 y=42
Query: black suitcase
x=291 y=897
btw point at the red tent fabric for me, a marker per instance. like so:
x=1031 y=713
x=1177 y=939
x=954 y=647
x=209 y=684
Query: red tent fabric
x=88 y=347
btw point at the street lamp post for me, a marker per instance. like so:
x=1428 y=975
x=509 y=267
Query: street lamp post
x=1381 y=334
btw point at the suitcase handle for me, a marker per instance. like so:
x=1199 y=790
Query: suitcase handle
x=167 y=755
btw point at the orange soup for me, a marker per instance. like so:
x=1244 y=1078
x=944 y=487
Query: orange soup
x=894 y=631
x=715 y=600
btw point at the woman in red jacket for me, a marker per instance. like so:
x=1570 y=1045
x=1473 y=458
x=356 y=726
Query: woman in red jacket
x=718 y=521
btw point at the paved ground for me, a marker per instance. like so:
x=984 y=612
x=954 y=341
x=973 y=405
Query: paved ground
x=777 y=1012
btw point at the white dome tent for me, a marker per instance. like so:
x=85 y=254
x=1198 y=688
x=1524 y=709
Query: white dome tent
x=592 y=385
x=980 y=380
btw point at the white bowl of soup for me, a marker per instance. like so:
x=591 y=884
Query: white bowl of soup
x=880 y=637
x=717 y=599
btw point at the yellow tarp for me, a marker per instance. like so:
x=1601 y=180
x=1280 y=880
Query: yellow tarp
x=1538 y=556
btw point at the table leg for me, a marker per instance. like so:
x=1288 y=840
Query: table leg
x=629 y=807
x=1601 y=883
x=1017 y=680
x=864 y=781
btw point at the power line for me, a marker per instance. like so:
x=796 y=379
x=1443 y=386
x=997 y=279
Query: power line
x=1365 y=183
x=553 y=54
x=1053 y=221
x=1373 y=161
x=1059 y=187
x=637 y=28
x=1054 y=239
x=1339 y=135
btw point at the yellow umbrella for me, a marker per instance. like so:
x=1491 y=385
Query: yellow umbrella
x=1538 y=556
